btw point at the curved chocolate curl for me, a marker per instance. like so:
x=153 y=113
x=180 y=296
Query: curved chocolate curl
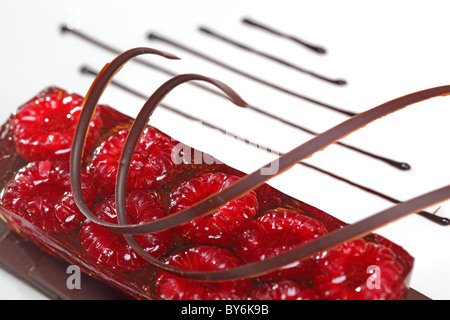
x=258 y=177
x=245 y=184
x=139 y=125
x=88 y=108
x=276 y=167
x=90 y=103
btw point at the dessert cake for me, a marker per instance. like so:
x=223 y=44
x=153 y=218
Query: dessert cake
x=130 y=206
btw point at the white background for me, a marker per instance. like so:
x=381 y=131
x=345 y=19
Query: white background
x=384 y=50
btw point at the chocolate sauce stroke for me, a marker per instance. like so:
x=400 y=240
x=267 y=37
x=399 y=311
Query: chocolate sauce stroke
x=285 y=35
x=155 y=36
x=396 y=164
x=266 y=55
x=243 y=185
x=430 y=216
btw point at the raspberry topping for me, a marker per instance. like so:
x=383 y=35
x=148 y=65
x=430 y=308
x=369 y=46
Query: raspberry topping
x=41 y=193
x=221 y=226
x=110 y=249
x=359 y=270
x=275 y=232
x=202 y=258
x=151 y=163
x=44 y=127
x=42 y=130
x=284 y=290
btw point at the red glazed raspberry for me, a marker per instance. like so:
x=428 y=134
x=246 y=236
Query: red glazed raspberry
x=150 y=166
x=110 y=249
x=284 y=290
x=275 y=232
x=221 y=226
x=41 y=193
x=359 y=270
x=44 y=127
x=202 y=258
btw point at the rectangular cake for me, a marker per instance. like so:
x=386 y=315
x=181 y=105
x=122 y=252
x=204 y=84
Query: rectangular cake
x=166 y=177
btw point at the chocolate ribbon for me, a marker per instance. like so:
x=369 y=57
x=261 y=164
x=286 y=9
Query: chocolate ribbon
x=242 y=186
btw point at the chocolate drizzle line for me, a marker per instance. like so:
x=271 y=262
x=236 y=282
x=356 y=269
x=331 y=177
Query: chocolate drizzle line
x=154 y=36
x=269 y=56
x=242 y=186
x=283 y=35
x=396 y=164
x=430 y=216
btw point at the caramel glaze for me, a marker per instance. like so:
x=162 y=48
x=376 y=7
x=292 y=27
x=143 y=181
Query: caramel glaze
x=396 y=164
x=242 y=186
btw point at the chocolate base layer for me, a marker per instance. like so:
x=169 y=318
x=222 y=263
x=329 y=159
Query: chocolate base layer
x=49 y=275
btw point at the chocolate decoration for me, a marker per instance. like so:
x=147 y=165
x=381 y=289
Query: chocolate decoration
x=242 y=186
x=331 y=239
x=81 y=130
x=90 y=103
x=284 y=35
x=154 y=36
x=270 y=57
x=430 y=216
x=396 y=164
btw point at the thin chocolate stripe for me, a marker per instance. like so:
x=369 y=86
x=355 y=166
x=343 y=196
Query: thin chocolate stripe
x=285 y=35
x=271 y=57
x=154 y=36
